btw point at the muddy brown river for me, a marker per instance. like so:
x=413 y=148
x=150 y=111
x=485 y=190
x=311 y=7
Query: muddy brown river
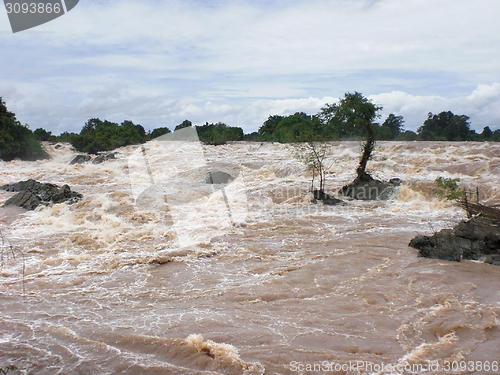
x=157 y=271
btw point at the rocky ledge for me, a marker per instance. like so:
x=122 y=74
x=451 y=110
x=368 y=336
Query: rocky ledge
x=477 y=238
x=84 y=158
x=32 y=193
x=321 y=196
x=371 y=190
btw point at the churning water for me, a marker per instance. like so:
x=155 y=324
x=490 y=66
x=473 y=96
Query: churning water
x=162 y=270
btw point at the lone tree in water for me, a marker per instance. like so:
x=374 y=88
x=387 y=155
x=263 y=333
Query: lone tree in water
x=312 y=150
x=355 y=114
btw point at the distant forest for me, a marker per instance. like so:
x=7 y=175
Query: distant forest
x=330 y=124
x=445 y=126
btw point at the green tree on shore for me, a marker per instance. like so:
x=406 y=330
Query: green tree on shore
x=42 y=134
x=219 y=133
x=184 y=124
x=17 y=140
x=98 y=135
x=294 y=128
x=158 y=132
x=391 y=128
x=267 y=129
x=445 y=126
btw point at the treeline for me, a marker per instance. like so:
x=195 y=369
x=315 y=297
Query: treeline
x=215 y=134
x=327 y=126
x=17 y=140
x=333 y=122
x=98 y=135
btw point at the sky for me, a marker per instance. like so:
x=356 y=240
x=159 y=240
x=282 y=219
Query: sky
x=158 y=63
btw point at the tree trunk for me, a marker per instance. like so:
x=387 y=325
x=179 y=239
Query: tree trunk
x=368 y=147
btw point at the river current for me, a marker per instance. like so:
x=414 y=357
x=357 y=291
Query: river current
x=157 y=271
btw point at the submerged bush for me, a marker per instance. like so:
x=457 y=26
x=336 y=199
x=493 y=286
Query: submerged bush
x=7 y=369
x=449 y=188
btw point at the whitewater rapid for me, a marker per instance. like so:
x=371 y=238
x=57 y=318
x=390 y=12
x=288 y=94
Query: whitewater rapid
x=156 y=271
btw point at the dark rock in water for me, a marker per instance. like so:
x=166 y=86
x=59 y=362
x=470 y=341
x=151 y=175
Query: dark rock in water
x=102 y=158
x=43 y=190
x=80 y=159
x=57 y=146
x=99 y=159
x=218 y=177
x=477 y=238
x=371 y=190
x=33 y=193
x=65 y=195
x=21 y=185
x=320 y=195
x=24 y=199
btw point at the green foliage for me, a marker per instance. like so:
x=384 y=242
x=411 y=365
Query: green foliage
x=16 y=140
x=445 y=127
x=391 y=128
x=496 y=135
x=42 y=134
x=298 y=127
x=448 y=187
x=139 y=129
x=269 y=126
x=487 y=133
x=184 y=124
x=64 y=137
x=253 y=137
x=158 y=132
x=98 y=135
x=218 y=134
x=408 y=135
x=314 y=155
x=352 y=117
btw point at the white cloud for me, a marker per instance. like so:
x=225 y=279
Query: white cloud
x=482 y=106
x=159 y=63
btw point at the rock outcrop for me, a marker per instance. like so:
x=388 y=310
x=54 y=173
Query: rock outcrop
x=32 y=193
x=24 y=199
x=477 y=238
x=102 y=158
x=371 y=190
x=80 y=159
x=320 y=195
x=218 y=177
